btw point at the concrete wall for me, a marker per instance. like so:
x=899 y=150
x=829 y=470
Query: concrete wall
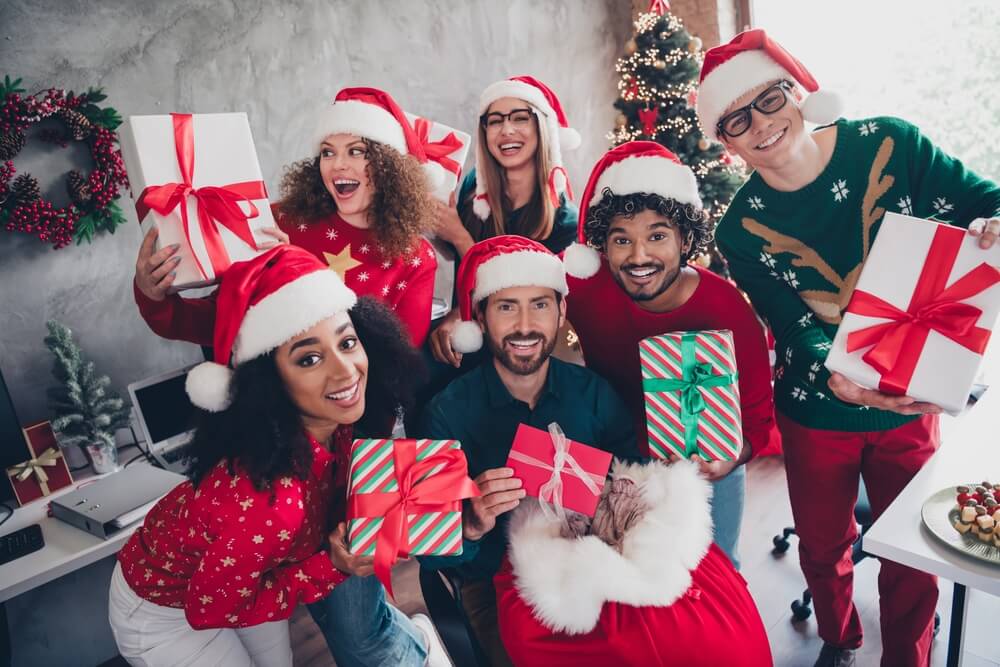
x=278 y=61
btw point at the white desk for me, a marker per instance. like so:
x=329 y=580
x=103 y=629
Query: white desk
x=970 y=451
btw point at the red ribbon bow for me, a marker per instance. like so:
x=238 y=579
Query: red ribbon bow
x=419 y=493
x=660 y=7
x=438 y=151
x=897 y=344
x=216 y=204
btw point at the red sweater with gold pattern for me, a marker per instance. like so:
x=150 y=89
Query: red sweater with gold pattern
x=232 y=556
x=406 y=283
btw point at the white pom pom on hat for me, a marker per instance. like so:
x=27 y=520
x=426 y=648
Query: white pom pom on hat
x=208 y=385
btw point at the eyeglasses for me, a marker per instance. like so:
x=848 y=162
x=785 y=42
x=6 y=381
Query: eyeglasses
x=519 y=118
x=771 y=100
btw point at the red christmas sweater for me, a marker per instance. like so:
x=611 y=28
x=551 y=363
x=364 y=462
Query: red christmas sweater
x=406 y=283
x=610 y=326
x=232 y=556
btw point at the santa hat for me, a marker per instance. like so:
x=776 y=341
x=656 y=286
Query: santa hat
x=371 y=113
x=561 y=135
x=261 y=304
x=633 y=167
x=496 y=264
x=750 y=60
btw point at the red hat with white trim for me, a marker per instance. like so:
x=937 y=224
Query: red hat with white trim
x=633 y=167
x=497 y=264
x=749 y=60
x=561 y=135
x=371 y=113
x=261 y=304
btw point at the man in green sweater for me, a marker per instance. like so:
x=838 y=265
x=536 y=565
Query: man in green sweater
x=796 y=236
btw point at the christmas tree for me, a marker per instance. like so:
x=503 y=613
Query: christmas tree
x=658 y=88
x=87 y=413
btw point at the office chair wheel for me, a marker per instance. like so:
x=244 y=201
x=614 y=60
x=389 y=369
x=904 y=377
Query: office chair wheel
x=937 y=624
x=801 y=609
x=781 y=542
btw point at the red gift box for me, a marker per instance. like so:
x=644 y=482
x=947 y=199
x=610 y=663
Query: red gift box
x=46 y=471
x=575 y=484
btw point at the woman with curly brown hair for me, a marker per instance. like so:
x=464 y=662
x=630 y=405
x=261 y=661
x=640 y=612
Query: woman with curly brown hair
x=359 y=205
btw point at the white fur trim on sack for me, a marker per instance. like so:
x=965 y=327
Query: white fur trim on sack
x=652 y=174
x=289 y=311
x=360 y=119
x=567 y=581
x=467 y=337
x=208 y=385
x=581 y=261
x=731 y=80
x=523 y=268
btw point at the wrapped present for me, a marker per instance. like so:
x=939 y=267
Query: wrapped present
x=45 y=471
x=692 y=398
x=445 y=146
x=920 y=327
x=196 y=177
x=558 y=471
x=405 y=499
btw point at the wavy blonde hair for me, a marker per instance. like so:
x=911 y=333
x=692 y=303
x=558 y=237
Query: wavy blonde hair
x=539 y=215
x=400 y=210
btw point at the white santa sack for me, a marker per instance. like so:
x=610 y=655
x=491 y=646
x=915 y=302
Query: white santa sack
x=567 y=581
x=221 y=154
x=940 y=365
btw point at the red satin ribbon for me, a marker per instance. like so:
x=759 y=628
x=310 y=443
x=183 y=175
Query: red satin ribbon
x=217 y=205
x=897 y=344
x=417 y=494
x=438 y=151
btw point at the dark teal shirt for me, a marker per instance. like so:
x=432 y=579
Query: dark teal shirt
x=477 y=410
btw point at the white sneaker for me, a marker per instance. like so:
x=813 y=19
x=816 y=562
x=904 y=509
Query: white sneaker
x=437 y=656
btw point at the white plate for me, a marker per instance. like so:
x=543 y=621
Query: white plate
x=940 y=512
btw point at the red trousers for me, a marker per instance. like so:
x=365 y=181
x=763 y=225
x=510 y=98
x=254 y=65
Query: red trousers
x=823 y=469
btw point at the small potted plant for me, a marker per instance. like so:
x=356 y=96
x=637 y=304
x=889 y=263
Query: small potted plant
x=87 y=414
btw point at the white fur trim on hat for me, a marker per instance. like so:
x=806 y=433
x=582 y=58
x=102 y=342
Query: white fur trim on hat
x=208 y=385
x=822 y=107
x=524 y=268
x=652 y=174
x=518 y=89
x=467 y=337
x=363 y=120
x=567 y=581
x=289 y=311
x=731 y=80
x=581 y=261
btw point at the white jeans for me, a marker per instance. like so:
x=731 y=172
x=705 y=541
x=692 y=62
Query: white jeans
x=151 y=635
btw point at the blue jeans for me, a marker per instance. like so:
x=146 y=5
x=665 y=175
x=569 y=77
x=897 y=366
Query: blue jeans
x=363 y=630
x=727 y=512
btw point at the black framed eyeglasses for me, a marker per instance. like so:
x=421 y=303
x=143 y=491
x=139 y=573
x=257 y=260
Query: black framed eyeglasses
x=768 y=102
x=495 y=119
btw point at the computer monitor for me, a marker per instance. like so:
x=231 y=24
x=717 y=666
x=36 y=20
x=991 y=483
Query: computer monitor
x=165 y=416
x=13 y=446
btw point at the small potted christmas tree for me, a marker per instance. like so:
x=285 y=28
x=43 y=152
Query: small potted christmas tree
x=87 y=414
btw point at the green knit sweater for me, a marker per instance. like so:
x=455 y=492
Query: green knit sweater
x=798 y=254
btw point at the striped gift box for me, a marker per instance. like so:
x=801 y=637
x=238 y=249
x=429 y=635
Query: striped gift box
x=691 y=394
x=372 y=471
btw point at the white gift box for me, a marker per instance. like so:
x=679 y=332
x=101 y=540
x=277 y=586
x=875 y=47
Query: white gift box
x=223 y=155
x=900 y=258
x=444 y=142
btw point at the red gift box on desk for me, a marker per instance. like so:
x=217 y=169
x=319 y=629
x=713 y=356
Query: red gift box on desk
x=197 y=179
x=920 y=327
x=45 y=471
x=405 y=498
x=558 y=470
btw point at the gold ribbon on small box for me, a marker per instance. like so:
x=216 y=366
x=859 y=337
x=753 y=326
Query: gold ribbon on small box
x=36 y=466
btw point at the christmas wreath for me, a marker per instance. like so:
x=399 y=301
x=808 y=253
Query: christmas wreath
x=93 y=197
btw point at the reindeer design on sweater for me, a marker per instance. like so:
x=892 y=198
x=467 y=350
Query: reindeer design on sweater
x=829 y=304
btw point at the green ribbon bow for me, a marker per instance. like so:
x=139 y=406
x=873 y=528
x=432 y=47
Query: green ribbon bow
x=696 y=376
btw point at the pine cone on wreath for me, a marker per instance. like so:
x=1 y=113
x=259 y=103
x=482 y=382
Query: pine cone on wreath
x=78 y=188
x=10 y=145
x=25 y=189
x=78 y=124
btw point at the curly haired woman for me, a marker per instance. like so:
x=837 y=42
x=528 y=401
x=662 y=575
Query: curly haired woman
x=222 y=561
x=629 y=279
x=360 y=205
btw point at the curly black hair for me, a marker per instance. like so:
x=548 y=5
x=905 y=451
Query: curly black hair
x=695 y=224
x=262 y=429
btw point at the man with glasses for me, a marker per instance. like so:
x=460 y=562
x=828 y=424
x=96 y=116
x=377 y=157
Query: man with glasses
x=796 y=236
